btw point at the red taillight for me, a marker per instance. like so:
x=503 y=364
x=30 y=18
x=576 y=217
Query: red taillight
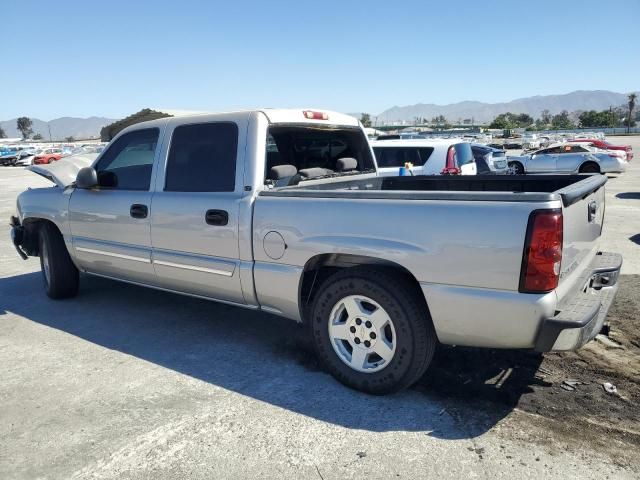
x=451 y=167
x=542 y=252
x=311 y=115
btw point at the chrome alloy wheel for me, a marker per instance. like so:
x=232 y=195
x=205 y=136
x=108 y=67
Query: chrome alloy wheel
x=362 y=333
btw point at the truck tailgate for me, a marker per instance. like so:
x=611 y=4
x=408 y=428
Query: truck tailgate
x=583 y=206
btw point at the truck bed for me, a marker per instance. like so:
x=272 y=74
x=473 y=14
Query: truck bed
x=538 y=188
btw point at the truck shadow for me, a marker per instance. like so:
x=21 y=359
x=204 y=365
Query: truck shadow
x=628 y=195
x=464 y=394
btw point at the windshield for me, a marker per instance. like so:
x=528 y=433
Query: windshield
x=321 y=149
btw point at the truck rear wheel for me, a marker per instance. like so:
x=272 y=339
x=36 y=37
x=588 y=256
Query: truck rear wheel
x=60 y=275
x=371 y=330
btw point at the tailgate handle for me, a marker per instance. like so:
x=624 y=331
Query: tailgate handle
x=592 y=209
x=216 y=217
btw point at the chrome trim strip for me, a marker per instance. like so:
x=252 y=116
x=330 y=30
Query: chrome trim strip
x=116 y=255
x=193 y=267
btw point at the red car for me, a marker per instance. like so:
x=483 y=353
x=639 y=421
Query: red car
x=48 y=155
x=606 y=146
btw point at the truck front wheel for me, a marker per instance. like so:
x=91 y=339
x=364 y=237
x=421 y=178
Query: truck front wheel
x=60 y=275
x=371 y=330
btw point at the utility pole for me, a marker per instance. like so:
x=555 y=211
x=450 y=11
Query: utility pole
x=49 y=128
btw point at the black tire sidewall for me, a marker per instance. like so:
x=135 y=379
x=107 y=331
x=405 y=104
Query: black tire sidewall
x=408 y=338
x=63 y=274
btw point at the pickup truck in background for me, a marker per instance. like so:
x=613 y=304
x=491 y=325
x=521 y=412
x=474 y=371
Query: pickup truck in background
x=259 y=210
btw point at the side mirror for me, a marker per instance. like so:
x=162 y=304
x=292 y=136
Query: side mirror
x=87 y=178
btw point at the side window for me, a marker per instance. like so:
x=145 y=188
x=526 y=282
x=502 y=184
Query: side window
x=578 y=149
x=397 y=156
x=127 y=164
x=202 y=158
x=425 y=153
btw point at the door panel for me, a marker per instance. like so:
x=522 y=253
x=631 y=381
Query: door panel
x=110 y=224
x=106 y=238
x=542 y=163
x=195 y=210
x=203 y=258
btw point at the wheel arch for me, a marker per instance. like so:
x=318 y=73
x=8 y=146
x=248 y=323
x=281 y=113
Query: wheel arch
x=32 y=227
x=590 y=163
x=321 y=266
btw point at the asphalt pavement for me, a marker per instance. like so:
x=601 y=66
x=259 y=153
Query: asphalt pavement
x=127 y=382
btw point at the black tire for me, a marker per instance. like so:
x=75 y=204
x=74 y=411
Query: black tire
x=415 y=338
x=516 y=168
x=589 y=168
x=61 y=278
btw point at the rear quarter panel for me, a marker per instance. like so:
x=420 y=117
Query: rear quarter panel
x=474 y=244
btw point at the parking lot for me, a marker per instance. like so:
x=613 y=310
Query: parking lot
x=127 y=382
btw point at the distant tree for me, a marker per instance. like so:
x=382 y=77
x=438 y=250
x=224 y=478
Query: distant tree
x=523 y=120
x=37 y=136
x=545 y=116
x=510 y=120
x=365 y=119
x=562 y=121
x=69 y=139
x=502 y=121
x=2 y=134
x=24 y=125
x=592 y=118
x=632 y=104
x=439 y=119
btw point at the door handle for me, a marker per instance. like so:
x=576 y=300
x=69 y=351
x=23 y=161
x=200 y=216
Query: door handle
x=139 y=211
x=216 y=217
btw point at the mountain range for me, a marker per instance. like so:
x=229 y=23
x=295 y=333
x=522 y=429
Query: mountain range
x=485 y=112
x=80 y=128
x=83 y=128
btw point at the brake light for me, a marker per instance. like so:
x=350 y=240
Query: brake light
x=451 y=167
x=542 y=252
x=311 y=115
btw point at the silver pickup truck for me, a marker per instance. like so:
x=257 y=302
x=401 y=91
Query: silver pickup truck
x=282 y=211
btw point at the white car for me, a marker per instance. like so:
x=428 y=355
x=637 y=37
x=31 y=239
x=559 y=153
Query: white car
x=428 y=156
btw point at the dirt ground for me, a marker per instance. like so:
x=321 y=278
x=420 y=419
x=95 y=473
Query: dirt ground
x=562 y=391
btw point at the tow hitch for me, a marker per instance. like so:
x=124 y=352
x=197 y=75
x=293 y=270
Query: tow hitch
x=17 y=235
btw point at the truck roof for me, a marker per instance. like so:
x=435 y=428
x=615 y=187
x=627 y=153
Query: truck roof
x=274 y=115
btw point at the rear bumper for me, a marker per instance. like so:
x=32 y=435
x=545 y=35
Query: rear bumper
x=581 y=316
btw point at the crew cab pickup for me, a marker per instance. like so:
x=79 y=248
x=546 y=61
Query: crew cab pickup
x=283 y=211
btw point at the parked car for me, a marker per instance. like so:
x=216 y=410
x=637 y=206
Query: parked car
x=378 y=269
x=489 y=160
x=48 y=155
x=15 y=157
x=604 y=145
x=530 y=142
x=566 y=158
x=428 y=157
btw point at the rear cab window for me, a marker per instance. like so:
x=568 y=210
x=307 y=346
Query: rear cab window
x=316 y=151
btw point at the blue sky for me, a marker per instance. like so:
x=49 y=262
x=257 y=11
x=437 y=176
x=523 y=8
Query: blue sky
x=111 y=58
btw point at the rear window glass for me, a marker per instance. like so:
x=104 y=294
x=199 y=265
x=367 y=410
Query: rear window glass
x=318 y=148
x=464 y=154
x=202 y=158
x=397 y=156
